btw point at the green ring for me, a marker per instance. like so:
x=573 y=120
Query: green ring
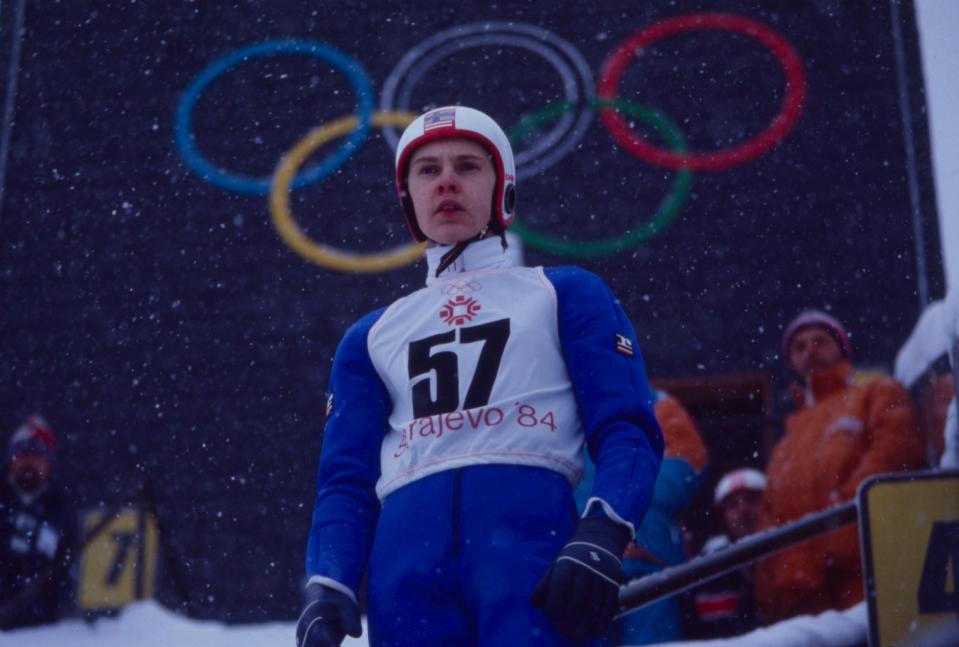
x=668 y=209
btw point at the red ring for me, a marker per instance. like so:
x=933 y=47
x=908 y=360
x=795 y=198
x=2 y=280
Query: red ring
x=612 y=72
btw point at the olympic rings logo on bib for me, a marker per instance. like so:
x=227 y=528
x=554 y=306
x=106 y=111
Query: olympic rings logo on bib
x=568 y=121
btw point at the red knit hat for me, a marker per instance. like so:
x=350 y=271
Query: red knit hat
x=816 y=318
x=33 y=436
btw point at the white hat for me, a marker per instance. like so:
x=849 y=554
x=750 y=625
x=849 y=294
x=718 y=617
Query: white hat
x=741 y=479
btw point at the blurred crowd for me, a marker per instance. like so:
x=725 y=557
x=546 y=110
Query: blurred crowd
x=843 y=426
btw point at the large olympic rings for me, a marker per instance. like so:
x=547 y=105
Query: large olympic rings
x=566 y=60
x=254 y=186
x=294 y=236
x=667 y=210
x=784 y=121
x=569 y=128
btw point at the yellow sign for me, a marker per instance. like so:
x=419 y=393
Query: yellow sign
x=119 y=563
x=909 y=526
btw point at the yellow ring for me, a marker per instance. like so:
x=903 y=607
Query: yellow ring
x=291 y=233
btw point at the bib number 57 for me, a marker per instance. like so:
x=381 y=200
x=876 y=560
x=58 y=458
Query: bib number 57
x=438 y=371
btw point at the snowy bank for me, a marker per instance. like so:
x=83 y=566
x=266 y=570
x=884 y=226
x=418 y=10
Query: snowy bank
x=147 y=624
x=830 y=629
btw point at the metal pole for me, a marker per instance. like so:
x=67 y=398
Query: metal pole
x=675 y=579
x=141 y=547
x=9 y=104
x=922 y=279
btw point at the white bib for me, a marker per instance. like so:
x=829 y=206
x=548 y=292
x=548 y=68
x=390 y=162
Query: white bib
x=474 y=370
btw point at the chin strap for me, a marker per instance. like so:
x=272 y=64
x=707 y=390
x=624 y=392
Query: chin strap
x=447 y=259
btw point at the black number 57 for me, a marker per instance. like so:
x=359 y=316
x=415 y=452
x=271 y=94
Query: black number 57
x=441 y=369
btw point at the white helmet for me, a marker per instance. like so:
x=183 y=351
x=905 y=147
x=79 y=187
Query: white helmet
x=741 y=479
x=459 y=121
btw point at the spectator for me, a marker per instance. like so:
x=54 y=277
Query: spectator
x=842 y=432
x=659 y=539
x=724 y=607
x=37 y=530
x=458 y=416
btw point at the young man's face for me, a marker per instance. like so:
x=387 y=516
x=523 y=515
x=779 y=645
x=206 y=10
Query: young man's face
x=30 y=471
x=813 y=349
x=740 y=513
x=451 y=183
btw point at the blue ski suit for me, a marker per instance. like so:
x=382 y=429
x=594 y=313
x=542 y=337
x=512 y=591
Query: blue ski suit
x=457 y=418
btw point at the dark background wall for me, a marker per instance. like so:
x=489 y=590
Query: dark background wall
x=168 y=334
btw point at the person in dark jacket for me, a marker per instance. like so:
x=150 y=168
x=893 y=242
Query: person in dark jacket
x=724 y=607
x=38 y=531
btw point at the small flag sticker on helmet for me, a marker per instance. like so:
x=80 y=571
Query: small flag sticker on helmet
x=439 y=118
x=624 y=346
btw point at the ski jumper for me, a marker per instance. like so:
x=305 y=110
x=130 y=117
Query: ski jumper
x=455 y=435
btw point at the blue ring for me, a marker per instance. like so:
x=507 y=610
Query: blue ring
x=261 y=186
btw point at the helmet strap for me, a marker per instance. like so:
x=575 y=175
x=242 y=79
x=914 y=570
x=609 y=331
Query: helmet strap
x=447 y=259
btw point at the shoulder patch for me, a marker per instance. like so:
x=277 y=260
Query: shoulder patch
x=624 y=345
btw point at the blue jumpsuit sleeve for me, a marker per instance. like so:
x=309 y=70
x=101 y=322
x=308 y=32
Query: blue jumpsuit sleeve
x=346 y=507
x=612 y=391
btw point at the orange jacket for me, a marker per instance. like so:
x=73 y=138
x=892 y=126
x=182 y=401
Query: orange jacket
x=680 y=435
x=842 y=433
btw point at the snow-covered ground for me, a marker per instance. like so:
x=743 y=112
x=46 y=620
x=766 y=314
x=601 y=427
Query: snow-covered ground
x=147 y=624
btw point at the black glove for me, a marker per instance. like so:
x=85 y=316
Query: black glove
x=327 y=617
x=580 y=591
